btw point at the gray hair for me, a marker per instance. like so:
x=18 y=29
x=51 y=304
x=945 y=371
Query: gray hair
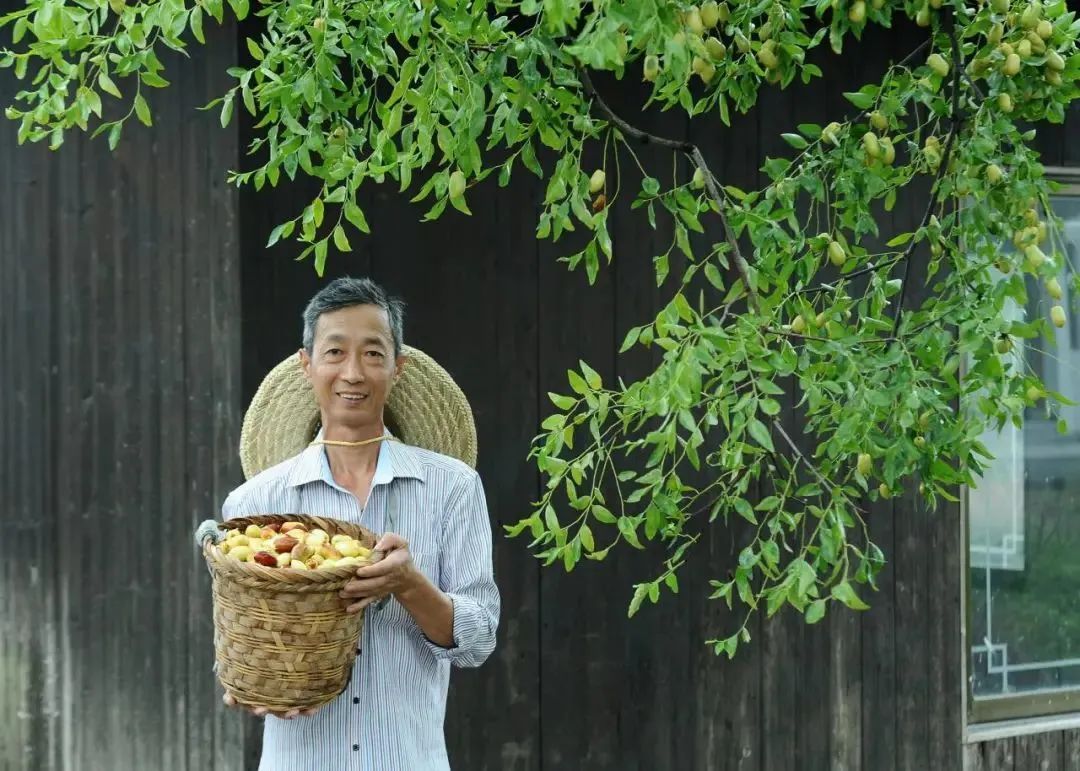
x=347 y=292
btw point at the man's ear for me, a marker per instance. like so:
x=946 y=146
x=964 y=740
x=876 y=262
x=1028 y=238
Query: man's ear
x=305 y=362
x=400 y=363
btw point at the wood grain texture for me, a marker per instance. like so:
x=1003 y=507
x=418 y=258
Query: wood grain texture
x=138 y=312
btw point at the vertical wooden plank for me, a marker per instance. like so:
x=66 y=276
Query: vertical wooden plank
x=662 y=664
x=581 y=664
x=225 y=735
x=1070 y=749
x=728 y=693
x=1040 y=752
x=27 y=656
x=973 y=758
x=1000 y=755
x=1070 y=153
x=509 y=686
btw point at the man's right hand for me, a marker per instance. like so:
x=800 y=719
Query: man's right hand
x=263 y=711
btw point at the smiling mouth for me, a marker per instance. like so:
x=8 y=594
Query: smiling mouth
x=353 y=398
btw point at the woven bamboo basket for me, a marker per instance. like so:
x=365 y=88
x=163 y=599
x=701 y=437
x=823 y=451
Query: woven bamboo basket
x=282 y=638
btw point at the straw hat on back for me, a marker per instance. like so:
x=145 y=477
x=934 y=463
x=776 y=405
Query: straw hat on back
x=426 y=409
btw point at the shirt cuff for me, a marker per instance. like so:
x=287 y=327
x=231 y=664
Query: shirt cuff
x=467 y=624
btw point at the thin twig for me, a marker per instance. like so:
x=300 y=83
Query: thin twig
x=958 y=66
x=696 y=157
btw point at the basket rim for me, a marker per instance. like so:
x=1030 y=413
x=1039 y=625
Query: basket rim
x=295 y=579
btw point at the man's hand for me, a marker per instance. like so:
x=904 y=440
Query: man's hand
x=393 y=574
x=263 y=711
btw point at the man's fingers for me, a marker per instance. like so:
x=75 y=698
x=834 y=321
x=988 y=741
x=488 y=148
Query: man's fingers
x=390 y=542
x=365 y=588
x=384 y=566
x=356 y=607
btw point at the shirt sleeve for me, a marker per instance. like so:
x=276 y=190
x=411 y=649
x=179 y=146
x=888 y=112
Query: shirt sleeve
x=466 y=576
x=244 y=501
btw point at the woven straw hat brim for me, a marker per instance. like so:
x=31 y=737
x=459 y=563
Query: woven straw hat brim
x=426 y=409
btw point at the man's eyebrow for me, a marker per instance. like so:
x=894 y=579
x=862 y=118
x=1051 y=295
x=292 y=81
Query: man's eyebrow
x=337 y=337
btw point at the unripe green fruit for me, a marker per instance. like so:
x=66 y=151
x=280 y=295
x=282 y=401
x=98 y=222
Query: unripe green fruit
x=1057 y=315
x=457 y=184
x=651 y=68
x=937 y=64
x=597 y=180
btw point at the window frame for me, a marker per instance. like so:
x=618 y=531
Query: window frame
x=1028 y=707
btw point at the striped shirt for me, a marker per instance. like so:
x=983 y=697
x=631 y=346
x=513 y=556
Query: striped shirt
x=390 y=717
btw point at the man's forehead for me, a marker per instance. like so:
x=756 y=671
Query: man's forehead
x=355 y=322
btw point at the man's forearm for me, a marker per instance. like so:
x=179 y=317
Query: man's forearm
x=432 y=609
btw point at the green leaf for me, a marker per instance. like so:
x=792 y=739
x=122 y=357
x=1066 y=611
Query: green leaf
x=106 y=84
x=672 y=583
x=639 y=597
x=592 y=377
x=142 y=111
x=745 y=510
x=562 y=402
x=586 y=536
x=355 y=215
x=601 y=514
x=795 y=141
x=815 y=611
x=320 y=257
x=577 y=382
x=240 y=8
x=114 y=135
x=630 y=339
x=154 y=80
x=859 y=99
x=629 y=532
x=196 y=23
x=226 y=111
x=341 y=242
x=846 y=594
x=254 y=50
x=761 y=434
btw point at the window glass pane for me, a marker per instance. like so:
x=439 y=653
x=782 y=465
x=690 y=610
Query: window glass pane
x=1024 y=519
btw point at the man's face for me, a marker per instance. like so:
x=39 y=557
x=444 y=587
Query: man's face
x=352 y=366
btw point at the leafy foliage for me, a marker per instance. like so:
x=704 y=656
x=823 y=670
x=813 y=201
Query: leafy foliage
x=794 y=302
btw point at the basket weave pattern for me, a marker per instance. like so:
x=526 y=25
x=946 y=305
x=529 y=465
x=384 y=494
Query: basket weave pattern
x=282 y=638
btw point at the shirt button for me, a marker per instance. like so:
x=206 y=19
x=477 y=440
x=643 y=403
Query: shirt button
x=355 y=699
x=356 y=748
x=357 y=651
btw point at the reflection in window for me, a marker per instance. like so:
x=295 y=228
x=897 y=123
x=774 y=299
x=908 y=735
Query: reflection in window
x=1024 y=520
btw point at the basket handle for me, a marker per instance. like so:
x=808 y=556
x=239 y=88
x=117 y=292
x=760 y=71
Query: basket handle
x=208 y=530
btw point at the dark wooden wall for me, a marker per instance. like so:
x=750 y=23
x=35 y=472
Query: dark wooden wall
x=139 y=311
x=574 y=684
x=119 y=412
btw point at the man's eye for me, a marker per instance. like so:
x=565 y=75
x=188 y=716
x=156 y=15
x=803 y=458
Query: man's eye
x=333 y=351
x=375 y=353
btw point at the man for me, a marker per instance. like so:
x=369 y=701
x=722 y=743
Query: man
x=442 y=605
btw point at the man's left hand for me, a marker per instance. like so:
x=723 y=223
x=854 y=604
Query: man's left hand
x=393 y=574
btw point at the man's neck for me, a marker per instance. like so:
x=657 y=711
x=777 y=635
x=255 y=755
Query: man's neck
x=351 y=464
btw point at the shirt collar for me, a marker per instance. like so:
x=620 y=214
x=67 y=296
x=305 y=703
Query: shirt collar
x=395 y=460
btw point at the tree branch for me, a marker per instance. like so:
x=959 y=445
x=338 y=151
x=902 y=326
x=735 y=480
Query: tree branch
x=957 y=68
x=696 y=157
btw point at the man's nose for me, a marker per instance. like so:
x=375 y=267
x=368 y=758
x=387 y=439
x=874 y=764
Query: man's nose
x=353 y=371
